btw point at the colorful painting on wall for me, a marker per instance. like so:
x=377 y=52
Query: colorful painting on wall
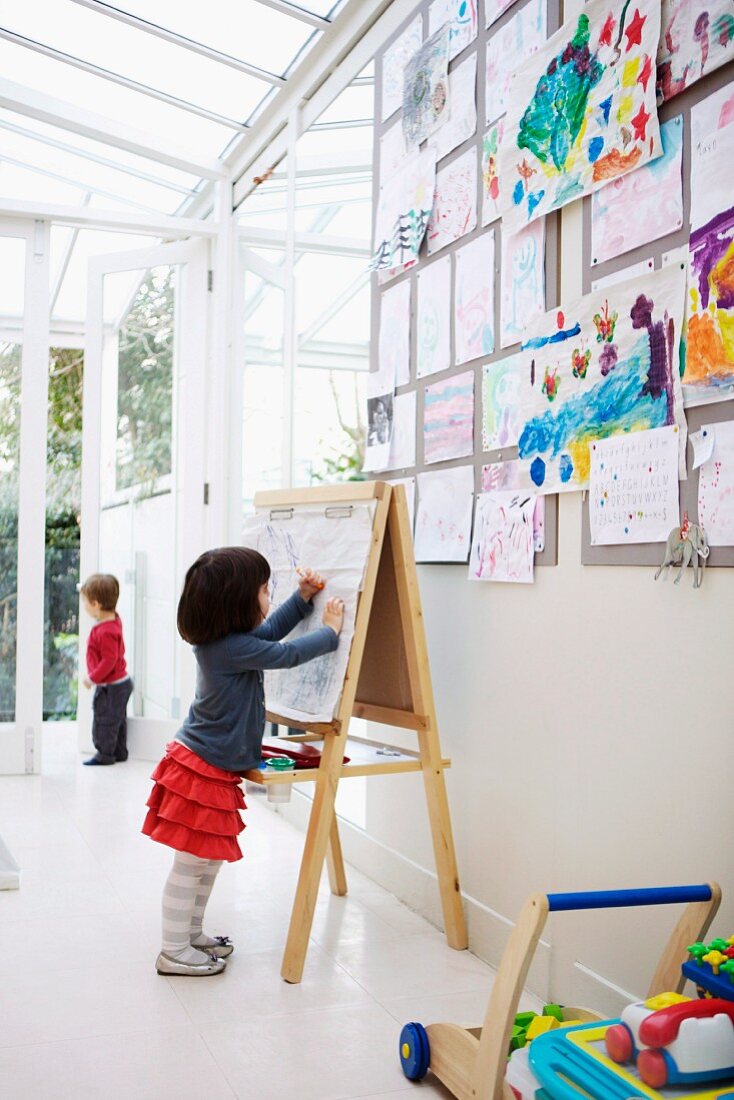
x=455 y=203
x=448 y=419
x=443 y=520
x=709 y=369
x=490 y=173
x=643 y=205
x=394 y=341
x=403 y=213
x=601 y=366
x=462 y=122
x=502 y=544
x=518 y=39
x=434 y=318
x=582 y=110
x=523 y=280
x=426 y=89
x=461 y=15
x=393 y=65
x=495 y=8
x=633 y=487
x=716 y=486
x=474 y=299
x=501 y=385
x=695 y=39
x=402 y=443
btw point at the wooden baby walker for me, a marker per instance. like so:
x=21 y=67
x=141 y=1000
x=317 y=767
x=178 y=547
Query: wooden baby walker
x=472 y=1062
x=387 y=681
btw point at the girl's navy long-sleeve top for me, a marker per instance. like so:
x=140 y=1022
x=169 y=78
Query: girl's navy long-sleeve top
x=226 y=722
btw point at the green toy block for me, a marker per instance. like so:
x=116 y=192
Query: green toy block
x=553 y=1010
x=524 y=1019
x=517 y=1039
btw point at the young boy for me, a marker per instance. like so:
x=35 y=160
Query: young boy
x=106 y=669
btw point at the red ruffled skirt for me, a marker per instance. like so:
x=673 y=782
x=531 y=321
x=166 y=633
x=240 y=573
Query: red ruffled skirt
x=194 y=806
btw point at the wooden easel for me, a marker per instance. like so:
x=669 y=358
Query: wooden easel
x=388 y=681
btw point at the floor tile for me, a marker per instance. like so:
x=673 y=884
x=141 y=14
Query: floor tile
x=425 y=964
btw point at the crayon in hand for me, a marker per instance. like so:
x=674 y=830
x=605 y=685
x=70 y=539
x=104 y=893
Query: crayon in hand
x=302 y=573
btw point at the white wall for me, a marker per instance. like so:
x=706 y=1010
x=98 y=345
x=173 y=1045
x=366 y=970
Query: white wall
x=589 y=718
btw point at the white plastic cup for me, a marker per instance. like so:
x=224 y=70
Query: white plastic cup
x=279 y=792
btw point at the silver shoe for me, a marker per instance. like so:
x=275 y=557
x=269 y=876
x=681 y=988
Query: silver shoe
x=220 y=949
x=166 y=964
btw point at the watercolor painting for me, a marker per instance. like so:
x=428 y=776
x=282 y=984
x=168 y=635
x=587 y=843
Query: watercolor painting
x=709 y=364
x=394 y=340
x=523 y=280
x=393 y=66
x=494 y=9
x=403 y=213
x=716 y=487
x=434 y=318
x=582 y=110
x=643 y=205
x=426 y=103
x=518 y=39
x=633 y=487
x=402 y=442
x=443 y=519
x=601 y=366
x=490 y=173
x=502 y=383
x=474 y=299
x=461 y=15
x=695 y=39
x=454 y=210
x=502 y=545
x=448 y=419
x=462 y=121
x=715 y=112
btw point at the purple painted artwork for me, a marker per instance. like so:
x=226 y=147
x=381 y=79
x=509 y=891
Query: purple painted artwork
x=448 y=418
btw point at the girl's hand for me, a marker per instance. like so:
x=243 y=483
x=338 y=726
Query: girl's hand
x=310 y=583
x=334 y=614
x=87 y=683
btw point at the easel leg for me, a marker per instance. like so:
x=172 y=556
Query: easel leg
x=335 y=862
x=443 y=846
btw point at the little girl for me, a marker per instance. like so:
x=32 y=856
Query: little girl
x=197 y=794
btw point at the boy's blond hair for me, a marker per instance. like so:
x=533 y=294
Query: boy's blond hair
x=102 y=588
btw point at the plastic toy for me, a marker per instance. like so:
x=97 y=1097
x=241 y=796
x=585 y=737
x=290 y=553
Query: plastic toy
x=472 y=1062
x=686 y=544
x=711 y=968
x=675 y=1041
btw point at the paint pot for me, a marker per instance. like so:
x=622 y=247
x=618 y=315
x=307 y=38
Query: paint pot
x=279 y=765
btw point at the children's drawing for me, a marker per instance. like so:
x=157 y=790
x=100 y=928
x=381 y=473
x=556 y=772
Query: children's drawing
x=633 y=487
x=506 y=475
x=495 y=8
x=448 y=418
x=695 y=39
x=582 y=110
x=392 y=153
x=716 y=487
x=426 y=89
x=455 y=204
x=409 y=485
x=490 y=173
x=709 y=367
x=624 y=274
x=393 y=65
x=462 y=121
x=443 y=520
x=461 y=15
x=501 y=385
x=402 y=443
x=403 y=212
x=631 y=382
x=502 y=544
x=522 y=280
x=474 y=299
x=338 y=547
x=643 y=205
x=394 y=342
x=434 y=318
x=513 y=44
x=380 y=399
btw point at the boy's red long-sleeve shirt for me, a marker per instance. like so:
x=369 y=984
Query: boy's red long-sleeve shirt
x=106 y=652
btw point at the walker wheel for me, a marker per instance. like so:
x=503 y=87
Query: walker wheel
x=652 y=1068
x=415 y=1054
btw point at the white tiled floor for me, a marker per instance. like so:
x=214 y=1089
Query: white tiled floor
x=83 y=1013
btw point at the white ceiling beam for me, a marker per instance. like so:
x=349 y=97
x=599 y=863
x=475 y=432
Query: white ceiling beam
x=331 y=66
x=120 y=80
x=83 y=184
x=57 y=112
x=297 y=12
x=305 y=242
x=66 y=260
x=117 y=221
x=107 y=162
x=181 y=40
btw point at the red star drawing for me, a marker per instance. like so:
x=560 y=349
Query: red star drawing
x=639 y=123
x=634 y=30
x=645 y=73
x=605 y=38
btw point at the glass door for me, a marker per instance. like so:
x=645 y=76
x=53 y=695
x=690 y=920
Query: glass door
x=143 y=466
x=24 y=301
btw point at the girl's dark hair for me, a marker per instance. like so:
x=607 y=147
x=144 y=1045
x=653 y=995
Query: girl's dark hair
x=220 y=594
